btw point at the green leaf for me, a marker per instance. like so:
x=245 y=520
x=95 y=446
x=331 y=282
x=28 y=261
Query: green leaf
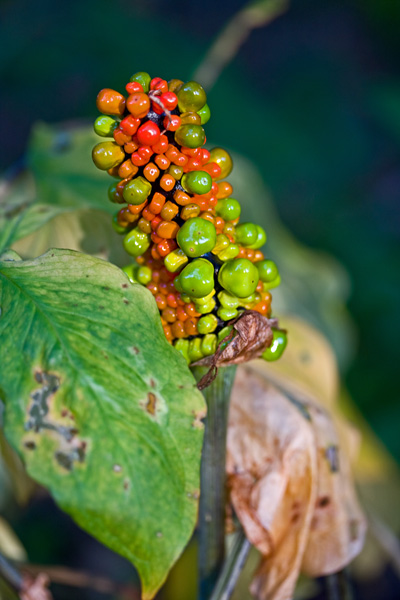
x=105 y=413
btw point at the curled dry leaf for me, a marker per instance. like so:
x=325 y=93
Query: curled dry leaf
x=250 y=336
x=290 y=485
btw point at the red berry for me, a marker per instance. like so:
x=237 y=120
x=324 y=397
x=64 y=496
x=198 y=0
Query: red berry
x=159 y=84
x=133 y=86
x=170 y=100
x=129 y=125
x=173 y=123
x=161 y=146
x=148 y=133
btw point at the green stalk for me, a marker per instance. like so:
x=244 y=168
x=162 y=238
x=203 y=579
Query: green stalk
x=213 y=489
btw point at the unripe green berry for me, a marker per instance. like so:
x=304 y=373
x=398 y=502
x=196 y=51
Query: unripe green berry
x=261 y=238
x=246 y=234
x=205 y=114
x=130 y=271
x=239 y=277
x=197 y=182
x=190 y=136
x=209 y=344
x=137 y=190
x=195 y=351
x=196 y=237
x=228 y=301
x=267 y=270
x=144 y=274
x=105 y=125
x=207 y=324
x=107 y=155
x=228 y=208
x=230 y=252
x=206 y=308
x=279 y=343
x=136 y=242
x=191 y=97
x=183 y=347
x=226 y=314
x=197 y=278
x=143 y=78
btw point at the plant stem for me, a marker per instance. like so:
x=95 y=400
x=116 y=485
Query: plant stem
x=213 y=490
x=232 y=568
x=339 y=586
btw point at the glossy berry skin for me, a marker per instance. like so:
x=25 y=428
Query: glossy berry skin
x=267 y=270
x=110 y=102
x=246 y=234
x=137 y=190
x=105 y=125
x=223 y=159
x=136 y=242
x=197 y=182
x=207 y=324
x=239 y=277
x=190 y=136
x=142 y=78
x=279 y=343
x=138 y=104
x=205 y=114
x=261 y=238
x=191 y=97
x=148 y=134
x=197 y=237
x=197 y=278
x=228 y=208
x=107 y=155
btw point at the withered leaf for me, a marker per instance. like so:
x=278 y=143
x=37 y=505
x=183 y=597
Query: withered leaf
x=251 y=335
x=290 y=485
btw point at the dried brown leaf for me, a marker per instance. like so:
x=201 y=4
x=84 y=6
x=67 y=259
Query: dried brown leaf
x=251 y=335
x=290 y=484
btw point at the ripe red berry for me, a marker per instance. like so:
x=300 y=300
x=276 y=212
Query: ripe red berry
x=148 y=133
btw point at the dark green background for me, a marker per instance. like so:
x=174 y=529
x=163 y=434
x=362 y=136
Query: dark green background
x=313 y=100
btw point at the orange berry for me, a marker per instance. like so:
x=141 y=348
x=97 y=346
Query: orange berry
x=182 y=198
x=169 y=314
x=190 y=326
x=178 y=330
x=168 y=229
x=167 y=182
x=169 y=211
x=127 y=169
x=151 y=172
x=138 y=104
x=157 y=202
x=110 y=102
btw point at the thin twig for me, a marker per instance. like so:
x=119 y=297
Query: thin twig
x=232 y=568
x=82 y=579
x=233 y=36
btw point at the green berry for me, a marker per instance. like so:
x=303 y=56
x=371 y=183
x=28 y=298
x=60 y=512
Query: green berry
x=226 y=314
x=143 y=275
x=196 y=237
x=206 y=308
x=131 y=271
x=267 y=270
x=207 y=324
x=272 y=284
x=205 y=299
x=222 y=243
x=239 y=277
x=246 y=234
x=175 y=260
x=137 y=190
x=107 y=155
x=183 y=347
x=209 y=344
x=113 y=196
x=223 y=159
x=228 y=301
x=197 y=278
x=197 y=182
x=279 y=343
x=105 y=125
x=261 y=238
x=228 y=208
x=117 y=227
x=195 y=351
x=230 y=252
x=205 y=114
x=223 y=334
x=191 y=97
x=143 y=78
x=136 y=242
x=190 y=136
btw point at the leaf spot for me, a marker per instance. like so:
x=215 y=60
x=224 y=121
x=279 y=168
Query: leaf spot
x=126 y=301
x=117 y=468
x=30 y=445
x=151 y=405
x=198 y=419
x=323 y=502
x=125 y=285
x=332 y=456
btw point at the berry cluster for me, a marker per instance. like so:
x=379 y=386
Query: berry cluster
x=179 y=220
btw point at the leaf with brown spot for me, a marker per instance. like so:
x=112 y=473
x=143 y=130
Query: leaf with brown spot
x=73 y=416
